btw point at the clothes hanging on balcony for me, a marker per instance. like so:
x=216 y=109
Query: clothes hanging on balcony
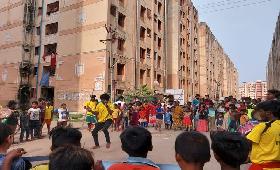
x=45 y=79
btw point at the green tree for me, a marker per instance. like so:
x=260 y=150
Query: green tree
x=144 y=93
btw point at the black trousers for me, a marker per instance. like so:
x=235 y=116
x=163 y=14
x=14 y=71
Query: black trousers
x=104 y=126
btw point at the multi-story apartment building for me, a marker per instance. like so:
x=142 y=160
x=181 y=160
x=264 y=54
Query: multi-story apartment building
x=183 y=51
x=218 y=75
x=72 y=52
x=254 y=90
x=66 y=50
x=273 y=64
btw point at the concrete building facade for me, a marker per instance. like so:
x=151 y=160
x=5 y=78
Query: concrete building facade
x=273 y=64
x=66 y=50
x=81 y=53
x=183 y=51
x=254 y=90
x=218 y=75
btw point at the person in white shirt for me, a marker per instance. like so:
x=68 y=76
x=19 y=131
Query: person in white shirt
x=63 y=115
x=34 y=120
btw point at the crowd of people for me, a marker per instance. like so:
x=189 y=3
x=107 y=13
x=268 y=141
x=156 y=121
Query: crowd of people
x=202 y=114
x=239 y=130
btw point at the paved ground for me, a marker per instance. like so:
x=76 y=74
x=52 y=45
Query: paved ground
x=163 y=151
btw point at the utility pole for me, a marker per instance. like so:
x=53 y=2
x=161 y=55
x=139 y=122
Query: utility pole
x=112 y=37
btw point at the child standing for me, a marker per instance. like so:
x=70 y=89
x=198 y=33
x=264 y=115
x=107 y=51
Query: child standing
x=48 y=115
x=115 y=114
x=220 y=122
x=63 y=115
x=167 y=118
x=34 y=120
x=159 y=117
x=142 y=117
x=187 y=120
x=24 y=125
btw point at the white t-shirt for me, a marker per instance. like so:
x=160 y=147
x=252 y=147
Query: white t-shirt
x=34 y=114
x=63 y=114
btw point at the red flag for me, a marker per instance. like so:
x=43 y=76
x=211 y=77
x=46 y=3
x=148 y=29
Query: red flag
x=53 y=60
x=44 y=56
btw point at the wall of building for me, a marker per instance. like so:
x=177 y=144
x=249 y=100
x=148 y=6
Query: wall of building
x=153 y=43
x=218 y=75
x=183 y=50
x=273 y=64
x=11 y=41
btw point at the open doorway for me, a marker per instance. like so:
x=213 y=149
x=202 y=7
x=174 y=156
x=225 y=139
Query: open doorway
x=47 y=93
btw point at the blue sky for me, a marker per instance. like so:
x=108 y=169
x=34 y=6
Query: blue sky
x=245 y=31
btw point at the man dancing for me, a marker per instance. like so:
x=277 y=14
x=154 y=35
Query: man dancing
x=103 y=112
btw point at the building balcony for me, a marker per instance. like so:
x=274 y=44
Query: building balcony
x=53 y=17
x=142 y=60
x=50 y=39
x=120 y=78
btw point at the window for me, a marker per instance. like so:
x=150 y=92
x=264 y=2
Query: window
x=155 y=55
x=182 y=2
x=142 y=33
x=148 y=72
x=119 y=92
x=35 y=70
x=121 y=44
x=142 y=12
x=149 y=33
x=159 y=7
x=121 y=19
x=50 y=48
x=159 y=25
x=155 y=37
x=51 y=28
x=195 y=40
x=38 y=30
x=142 y=54
x=148 y=52
x=159 y=61
x=79 y=69
x=159 y=42
x=142 y=76
x=149 y=13
x=52 y=8
x=181 y=28
x=159 y=79
x=49 y=69
x=37 y=49
x=39 y=11
x=113 y=10
x=120 y=69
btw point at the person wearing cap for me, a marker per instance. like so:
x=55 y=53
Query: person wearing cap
x=90 y=106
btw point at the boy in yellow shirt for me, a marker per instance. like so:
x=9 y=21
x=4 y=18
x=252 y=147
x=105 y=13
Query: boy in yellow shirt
x=265 y=137
x=48 y=115
x=116 y=113
x=90 y=107
x=104 y=111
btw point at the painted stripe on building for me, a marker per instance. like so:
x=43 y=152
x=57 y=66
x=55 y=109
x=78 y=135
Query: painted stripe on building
x=82 y=28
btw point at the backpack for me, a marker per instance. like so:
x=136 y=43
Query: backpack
x=267 y=125
x=130 y=166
